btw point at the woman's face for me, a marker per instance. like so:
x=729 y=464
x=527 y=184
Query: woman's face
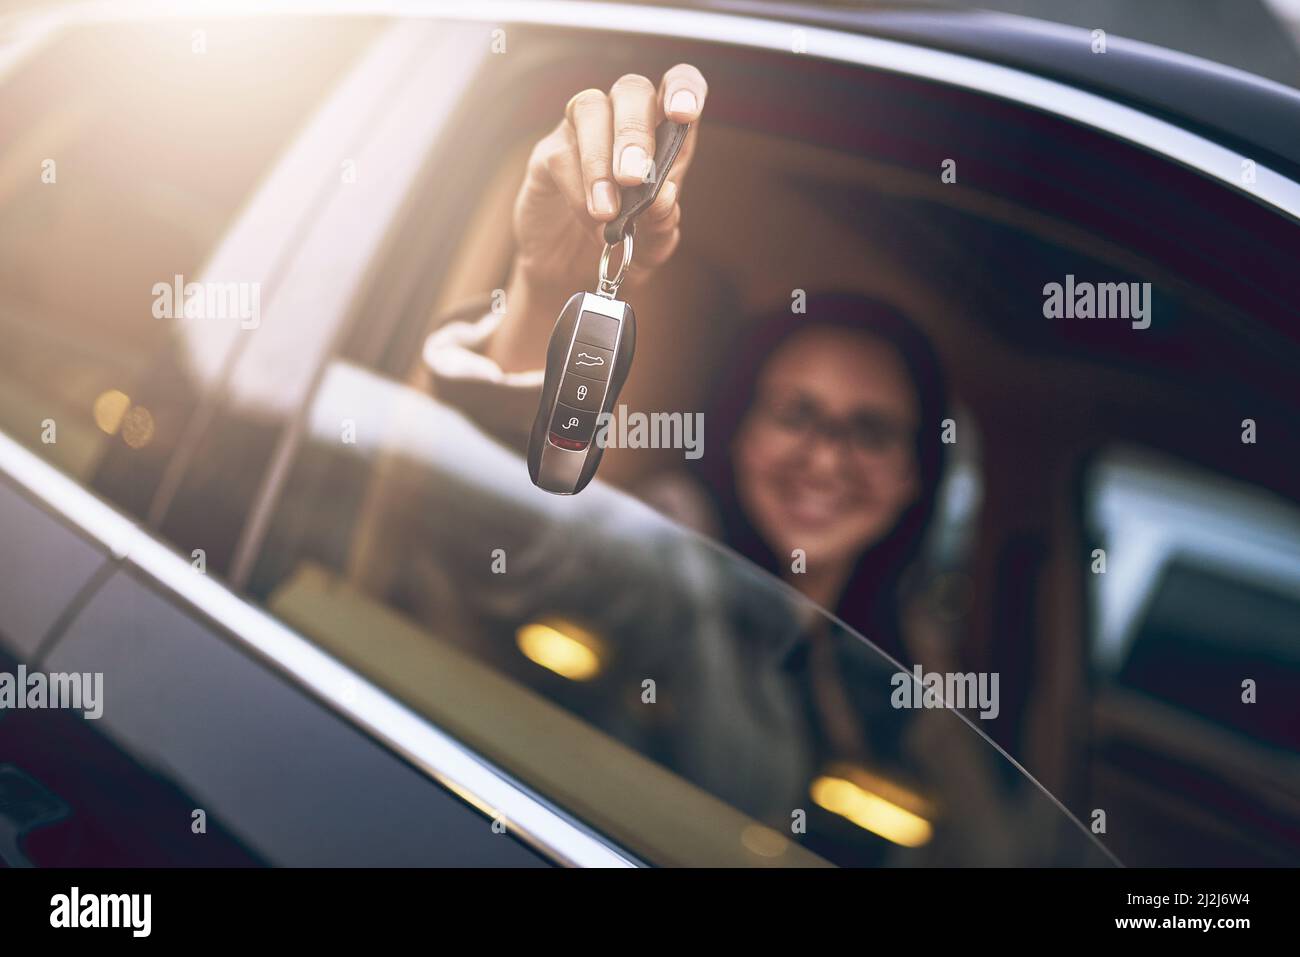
x=824 y=459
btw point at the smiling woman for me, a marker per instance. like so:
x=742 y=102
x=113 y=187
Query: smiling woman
x=857 y=374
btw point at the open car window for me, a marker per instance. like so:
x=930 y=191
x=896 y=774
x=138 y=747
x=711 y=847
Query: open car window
x=660 y=688
x=649 y=682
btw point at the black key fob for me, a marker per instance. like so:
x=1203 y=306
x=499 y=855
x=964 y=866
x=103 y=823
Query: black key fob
x=591 y=347
x=587 y=362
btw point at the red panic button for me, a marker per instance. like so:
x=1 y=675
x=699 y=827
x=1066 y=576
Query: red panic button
x=573 y=445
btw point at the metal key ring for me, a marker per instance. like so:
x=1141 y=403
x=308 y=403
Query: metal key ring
x=609 y=287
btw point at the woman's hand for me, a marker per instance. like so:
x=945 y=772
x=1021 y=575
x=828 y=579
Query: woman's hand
x=571 y=189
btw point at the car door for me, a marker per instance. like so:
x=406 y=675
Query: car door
x=200 y=750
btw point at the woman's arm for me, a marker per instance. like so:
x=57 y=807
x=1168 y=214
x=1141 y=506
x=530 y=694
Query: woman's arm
x=571 y=189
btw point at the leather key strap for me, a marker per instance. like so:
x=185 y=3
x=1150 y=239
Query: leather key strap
x=669 y=137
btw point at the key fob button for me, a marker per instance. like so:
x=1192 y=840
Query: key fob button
x=572 y=428
x=589 y=361
x=597 y=330
x=582 y=393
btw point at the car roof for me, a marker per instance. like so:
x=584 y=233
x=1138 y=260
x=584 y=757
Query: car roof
x=1255 y=116
x=1246 y=116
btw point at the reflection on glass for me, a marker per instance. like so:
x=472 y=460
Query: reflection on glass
x=561 y=647
x=110 y=407
x=137 y=427
x=875 y=805
x=681 y=716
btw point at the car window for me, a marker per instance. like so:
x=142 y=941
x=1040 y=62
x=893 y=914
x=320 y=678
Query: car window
x=1202 y=570
x=1193 y=587
x=646 y=680
x=130 y=149
x=638 y=675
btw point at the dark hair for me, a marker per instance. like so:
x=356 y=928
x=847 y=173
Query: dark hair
x=870 y=601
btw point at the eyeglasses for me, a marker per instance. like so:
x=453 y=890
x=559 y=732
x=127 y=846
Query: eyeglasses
x=868 y=437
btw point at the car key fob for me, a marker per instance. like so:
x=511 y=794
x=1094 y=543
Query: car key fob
x=591 y=346
x=587 y=363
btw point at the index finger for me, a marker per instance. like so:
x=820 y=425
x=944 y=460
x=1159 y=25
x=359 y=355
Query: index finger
x=682 y=92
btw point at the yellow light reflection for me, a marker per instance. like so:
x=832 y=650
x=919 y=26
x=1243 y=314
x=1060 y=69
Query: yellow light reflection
x=109 y=409
x=470 y=798
x=870 y=810
x=137 y=427
x=562 y=647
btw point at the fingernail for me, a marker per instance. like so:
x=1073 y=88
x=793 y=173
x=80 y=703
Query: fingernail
x=633 y=162
x=683 y=101
x=602 y=196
